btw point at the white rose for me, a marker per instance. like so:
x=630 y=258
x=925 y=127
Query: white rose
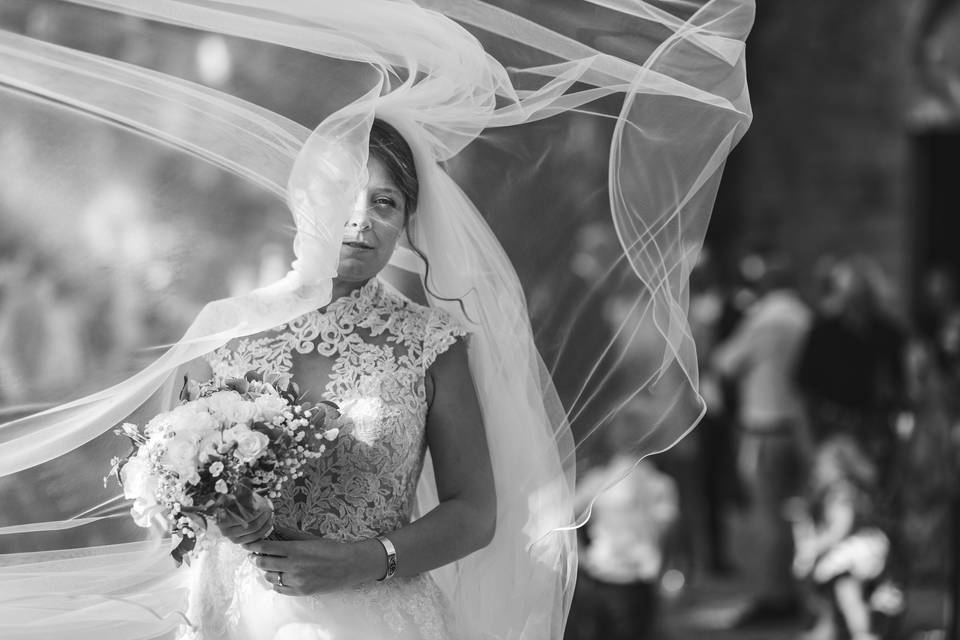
x=137 y=480
x=221 y=405
x=244 y=412
x=270 y=406
x=216 y=468
x=220 y=486
x=190 y=418
x=233 y=434
x=182 y=456
x=251 y=445
x=144 y=511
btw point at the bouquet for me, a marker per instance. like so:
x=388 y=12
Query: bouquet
x=229 y=440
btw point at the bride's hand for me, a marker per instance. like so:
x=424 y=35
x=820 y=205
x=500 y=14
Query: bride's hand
x=307 y=567
x=241 y=523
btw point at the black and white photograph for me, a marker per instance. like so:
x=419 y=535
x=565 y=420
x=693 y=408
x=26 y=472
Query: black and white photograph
x=479 y=320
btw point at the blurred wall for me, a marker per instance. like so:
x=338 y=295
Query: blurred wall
x=826 y=166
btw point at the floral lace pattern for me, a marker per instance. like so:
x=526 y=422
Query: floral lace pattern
x=377 y=346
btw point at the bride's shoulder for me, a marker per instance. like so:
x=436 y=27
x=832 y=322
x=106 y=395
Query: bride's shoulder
x=431 y=329
x=425 y=321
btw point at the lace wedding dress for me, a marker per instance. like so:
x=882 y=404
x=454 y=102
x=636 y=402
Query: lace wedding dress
x=380 y=345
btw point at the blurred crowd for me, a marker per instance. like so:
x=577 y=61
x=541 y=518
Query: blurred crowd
x=831 y=437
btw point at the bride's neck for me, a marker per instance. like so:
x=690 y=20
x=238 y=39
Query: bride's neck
x=343 y=288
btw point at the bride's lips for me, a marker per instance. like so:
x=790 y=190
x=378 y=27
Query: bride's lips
x=358 y=245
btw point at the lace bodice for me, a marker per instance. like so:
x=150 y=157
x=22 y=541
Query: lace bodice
x=377 y=346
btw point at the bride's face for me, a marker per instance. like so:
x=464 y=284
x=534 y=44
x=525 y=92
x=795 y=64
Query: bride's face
x=374 y=226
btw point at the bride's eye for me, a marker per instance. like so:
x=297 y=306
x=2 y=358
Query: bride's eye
x=385 y=202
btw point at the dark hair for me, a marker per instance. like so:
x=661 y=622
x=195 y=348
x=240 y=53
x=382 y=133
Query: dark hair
x=388 y=146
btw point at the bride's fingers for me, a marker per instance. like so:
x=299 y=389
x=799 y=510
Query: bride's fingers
x=270 y=547
x=272 y=564
x=252 y=536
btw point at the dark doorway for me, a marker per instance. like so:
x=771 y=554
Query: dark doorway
x=937 y=212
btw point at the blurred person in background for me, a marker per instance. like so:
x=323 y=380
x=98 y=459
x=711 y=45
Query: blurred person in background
x=937 y=300
x=761 y=357
x=622 y=544
x=852 y=368
x=40 y=330
x=842 y=549
x=713 y=316
x=928 y=452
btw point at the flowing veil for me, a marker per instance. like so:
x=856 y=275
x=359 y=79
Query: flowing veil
x=668 y=87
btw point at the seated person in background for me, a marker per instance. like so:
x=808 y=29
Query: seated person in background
x=840 y=548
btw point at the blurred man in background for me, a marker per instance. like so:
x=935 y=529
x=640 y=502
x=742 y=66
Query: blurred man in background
x=761 y=357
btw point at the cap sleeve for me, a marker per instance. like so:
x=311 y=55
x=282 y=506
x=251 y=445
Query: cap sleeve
x=441 y=331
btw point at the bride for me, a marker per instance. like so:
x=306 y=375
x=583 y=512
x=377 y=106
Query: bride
x=399 y=371
x=446 y=509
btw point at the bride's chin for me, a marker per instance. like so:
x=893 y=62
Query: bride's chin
x=356 y=271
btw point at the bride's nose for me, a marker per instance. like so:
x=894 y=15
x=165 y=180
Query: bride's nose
x=359 y=220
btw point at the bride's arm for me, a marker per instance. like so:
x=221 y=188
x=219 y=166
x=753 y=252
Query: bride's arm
x=465 y=519
x=463 y=522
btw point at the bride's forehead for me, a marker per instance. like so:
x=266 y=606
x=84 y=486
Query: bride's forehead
x=378 y=176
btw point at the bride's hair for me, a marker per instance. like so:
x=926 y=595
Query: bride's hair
x=388 y=146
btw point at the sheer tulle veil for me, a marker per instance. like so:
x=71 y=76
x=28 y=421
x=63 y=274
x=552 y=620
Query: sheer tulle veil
x=679 y=77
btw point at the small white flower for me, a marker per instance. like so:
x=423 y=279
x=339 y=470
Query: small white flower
x=216 y=468
x=331 y=434
x=221 y=486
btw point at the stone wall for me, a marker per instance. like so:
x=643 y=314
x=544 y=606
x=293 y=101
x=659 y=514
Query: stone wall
x=825 y=168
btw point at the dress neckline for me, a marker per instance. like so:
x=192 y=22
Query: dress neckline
x=361 y=298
